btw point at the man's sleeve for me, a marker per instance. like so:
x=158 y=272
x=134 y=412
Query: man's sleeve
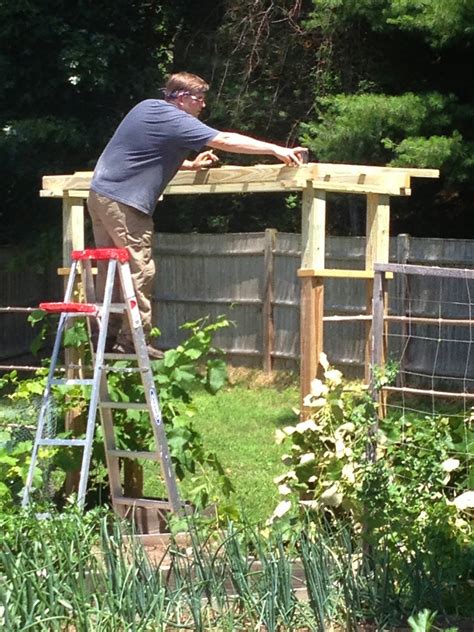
x=193 y=134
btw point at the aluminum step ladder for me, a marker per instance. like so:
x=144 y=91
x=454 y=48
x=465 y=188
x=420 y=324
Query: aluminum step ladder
x=118 y=269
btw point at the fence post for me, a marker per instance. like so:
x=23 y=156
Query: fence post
x=267 y=310
x=402 y=289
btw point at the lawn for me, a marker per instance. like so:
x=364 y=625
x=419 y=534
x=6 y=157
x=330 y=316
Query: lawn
x=239 y=425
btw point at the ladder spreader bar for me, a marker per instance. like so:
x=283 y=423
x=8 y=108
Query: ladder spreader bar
x=124 y=405
x=142 y=502
x=63 y=442
x=151 y=456
x=72 y=382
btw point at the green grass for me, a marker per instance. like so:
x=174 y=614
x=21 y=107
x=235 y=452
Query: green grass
x=239 y=425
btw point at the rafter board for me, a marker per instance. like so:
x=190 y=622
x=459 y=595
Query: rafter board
x=334 y=168
x=230 y=179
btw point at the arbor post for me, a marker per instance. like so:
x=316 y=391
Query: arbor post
x=313 y=233
x=73 y=239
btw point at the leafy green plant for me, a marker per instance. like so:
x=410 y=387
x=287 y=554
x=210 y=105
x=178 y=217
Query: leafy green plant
x=15 y=457
x=326 y=450
x=192 y=365
x=405 y=502
x=423 y=621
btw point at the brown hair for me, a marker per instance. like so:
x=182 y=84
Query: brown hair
x=184 y=82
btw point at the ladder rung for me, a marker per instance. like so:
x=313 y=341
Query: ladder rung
x=151 y=456
x=63 y=442
x=126 y=369
x=115 y=308
x=120 y=356
x=142 y=502
x=124 y=405
x=71 y=382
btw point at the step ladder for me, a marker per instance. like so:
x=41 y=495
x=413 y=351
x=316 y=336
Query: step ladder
x=118 y=269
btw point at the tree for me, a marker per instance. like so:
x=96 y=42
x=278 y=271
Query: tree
x=397 y=95
x=80 y=67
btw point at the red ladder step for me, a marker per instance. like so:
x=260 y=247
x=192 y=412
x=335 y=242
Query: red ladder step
x=100 y=254
x=59 y=308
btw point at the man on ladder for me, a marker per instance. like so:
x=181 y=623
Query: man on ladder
x=118 y=270
x=143 y=155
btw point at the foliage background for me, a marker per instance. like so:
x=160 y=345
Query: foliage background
x=371 y=82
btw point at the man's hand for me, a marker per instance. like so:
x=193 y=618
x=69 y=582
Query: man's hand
x=291 y=156
x=205 y=160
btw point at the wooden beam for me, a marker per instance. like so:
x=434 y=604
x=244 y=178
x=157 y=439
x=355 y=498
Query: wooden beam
x=378 y=230
x=341 y=178
x=73 y=227
x=329 y=167
x=311 y=332
x=313 y=228
x=404 y=268
x=336 y=273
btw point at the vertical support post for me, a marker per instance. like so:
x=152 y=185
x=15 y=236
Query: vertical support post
x=73 y=239
x=376 y=251
x=267 y=310
x=73 y=226
x=378 y=334
x=313 y=231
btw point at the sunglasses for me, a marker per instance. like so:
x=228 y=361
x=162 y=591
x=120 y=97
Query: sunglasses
x=200 y=99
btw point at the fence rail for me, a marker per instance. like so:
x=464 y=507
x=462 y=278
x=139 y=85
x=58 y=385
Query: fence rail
x=251 y=277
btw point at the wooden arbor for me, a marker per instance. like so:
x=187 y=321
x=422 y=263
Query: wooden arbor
x=314 y=180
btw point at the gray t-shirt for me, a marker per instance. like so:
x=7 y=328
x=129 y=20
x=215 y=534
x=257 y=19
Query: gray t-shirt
x=146 y=151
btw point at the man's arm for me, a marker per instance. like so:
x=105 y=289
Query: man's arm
x=240 y=144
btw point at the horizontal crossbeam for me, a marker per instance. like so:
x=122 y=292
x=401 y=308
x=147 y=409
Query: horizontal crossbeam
x=265 y=178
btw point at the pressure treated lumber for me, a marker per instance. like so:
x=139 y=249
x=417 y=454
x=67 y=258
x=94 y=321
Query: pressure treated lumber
x=260 y=178
x=314 y=181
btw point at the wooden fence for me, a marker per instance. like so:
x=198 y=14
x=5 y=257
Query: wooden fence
x=250 y=277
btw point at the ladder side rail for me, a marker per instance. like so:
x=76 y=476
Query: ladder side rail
x=44 y=407
x=98 y=369
x=151 y=395
x=113 y=466
x=89 y=296
x=68 y=294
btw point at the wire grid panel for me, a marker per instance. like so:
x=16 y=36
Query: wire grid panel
x=428 y=330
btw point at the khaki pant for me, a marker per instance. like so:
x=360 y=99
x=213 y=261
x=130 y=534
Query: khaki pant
x=117 y=225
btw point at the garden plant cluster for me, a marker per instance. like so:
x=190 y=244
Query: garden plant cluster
x=373 y=529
